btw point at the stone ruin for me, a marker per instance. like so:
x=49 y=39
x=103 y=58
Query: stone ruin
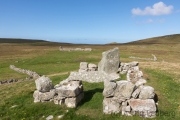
x=106 y=69
x=69 y=93
x=74 y=49
x=128 y=97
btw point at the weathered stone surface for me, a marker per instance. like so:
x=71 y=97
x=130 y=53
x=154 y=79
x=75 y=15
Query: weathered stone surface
x=147 y=92
x=134 y=74
x=50 y=117
x=136 y=93
x=83 y=65
x=39 y=96
x=124 y=67
x=36 y=96
x=72 y=102
x=109 y=88
x=110 y=61
x=59 y=100
x=44 y=84
x=145 y=108
x=110 y=106
x=92 y=67
x=69 y=90
x=124 y=89
x=140 y=82
x=92 y=76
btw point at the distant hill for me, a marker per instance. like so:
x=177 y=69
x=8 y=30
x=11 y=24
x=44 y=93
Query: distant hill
x=30 y=42
x=19 y=40
x=167 y=39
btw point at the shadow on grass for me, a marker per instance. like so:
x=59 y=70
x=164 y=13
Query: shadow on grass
x=89 y=94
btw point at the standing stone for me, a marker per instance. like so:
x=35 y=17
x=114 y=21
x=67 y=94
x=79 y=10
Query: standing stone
x=110 y=61
x=44 y=84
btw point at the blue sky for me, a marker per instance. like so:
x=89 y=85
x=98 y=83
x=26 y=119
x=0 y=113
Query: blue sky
x=89 y=21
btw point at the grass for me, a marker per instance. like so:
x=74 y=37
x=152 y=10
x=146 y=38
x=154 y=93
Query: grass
x=46 y=59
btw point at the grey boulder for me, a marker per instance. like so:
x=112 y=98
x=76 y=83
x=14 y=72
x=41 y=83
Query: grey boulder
x=44 y=84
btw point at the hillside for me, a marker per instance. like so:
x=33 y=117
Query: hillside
x=167 y=39
x=19 y=40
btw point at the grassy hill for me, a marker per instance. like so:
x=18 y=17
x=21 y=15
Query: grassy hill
x=19 y=40
x=46 y=59
x=168 y=39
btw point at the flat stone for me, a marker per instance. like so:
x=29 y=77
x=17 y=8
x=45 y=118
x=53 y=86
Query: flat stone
x=92 y=76
x=69 y=90
x=145 y=108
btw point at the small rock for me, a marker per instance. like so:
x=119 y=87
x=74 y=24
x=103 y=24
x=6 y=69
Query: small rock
x=13 y=106
x=60 y=116
x=50 y=117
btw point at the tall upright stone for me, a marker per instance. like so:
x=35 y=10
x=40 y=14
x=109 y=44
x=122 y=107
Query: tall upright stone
x=110 y=61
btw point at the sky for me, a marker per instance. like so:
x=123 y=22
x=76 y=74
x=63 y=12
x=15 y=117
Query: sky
x=89 y=21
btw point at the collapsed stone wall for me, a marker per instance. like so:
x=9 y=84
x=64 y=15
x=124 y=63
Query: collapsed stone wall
x=74 y=49
x=28 y=72
x=69 y=93
x=8 y=81
x=129 y=96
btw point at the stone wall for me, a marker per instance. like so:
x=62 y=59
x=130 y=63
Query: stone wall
x=28 y=72
x=152 y=59
x=69 y=93
x=74 y=49
x=130 y=96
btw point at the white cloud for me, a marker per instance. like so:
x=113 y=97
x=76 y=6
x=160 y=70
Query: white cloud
x=157 y=9
x=150 y=21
